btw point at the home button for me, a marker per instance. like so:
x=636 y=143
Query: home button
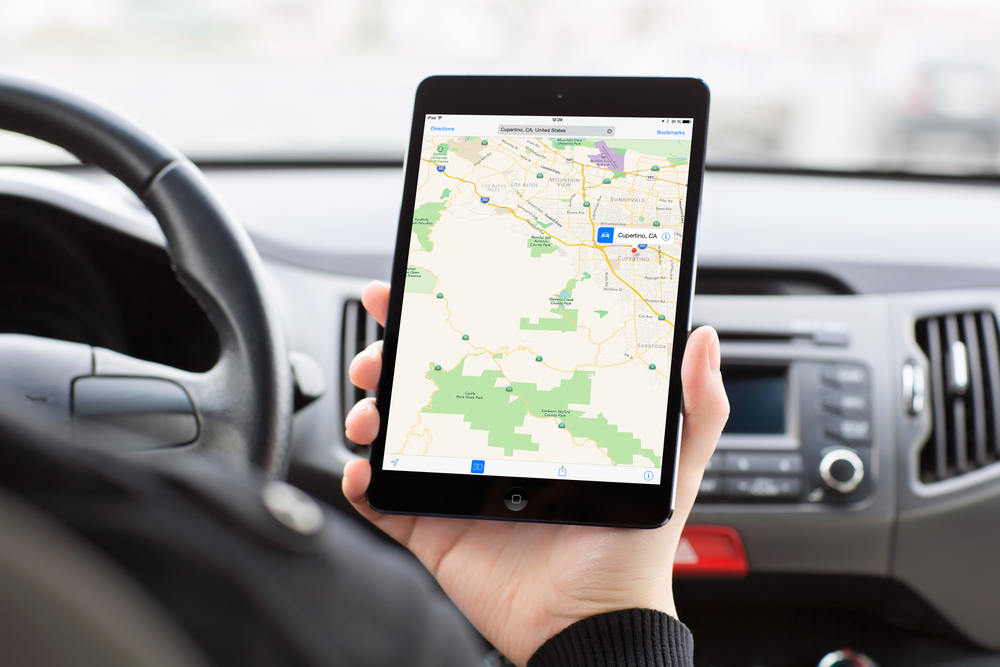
x=516 y=499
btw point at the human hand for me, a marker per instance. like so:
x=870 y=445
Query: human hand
x=522 y=583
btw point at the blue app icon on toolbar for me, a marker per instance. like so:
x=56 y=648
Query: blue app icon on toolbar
x=478 y=467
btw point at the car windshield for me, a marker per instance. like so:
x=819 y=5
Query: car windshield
x=885 y=85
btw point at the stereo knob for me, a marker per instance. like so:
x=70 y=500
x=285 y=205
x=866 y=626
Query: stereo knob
x=845 y=657
x=841 y=470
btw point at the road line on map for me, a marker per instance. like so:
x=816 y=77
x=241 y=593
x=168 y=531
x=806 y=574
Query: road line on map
x=589 y=215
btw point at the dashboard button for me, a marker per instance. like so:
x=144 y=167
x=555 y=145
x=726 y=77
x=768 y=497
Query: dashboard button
x=850 y=430
x=832 y=338
x=843 y=375
x=846 y=403
x=715 y=551
x=711 y=487
x=763 y=487
x=767 y=464
x=516 y=499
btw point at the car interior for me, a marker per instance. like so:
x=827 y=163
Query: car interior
x=856 y=303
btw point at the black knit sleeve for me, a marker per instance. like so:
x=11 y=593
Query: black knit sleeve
x=629 y=638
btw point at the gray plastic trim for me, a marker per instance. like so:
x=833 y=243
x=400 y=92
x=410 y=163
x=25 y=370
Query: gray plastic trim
x=946 y=538
x=119 y=210
x=852 y=538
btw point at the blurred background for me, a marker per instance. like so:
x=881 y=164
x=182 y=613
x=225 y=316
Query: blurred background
x=882 y=85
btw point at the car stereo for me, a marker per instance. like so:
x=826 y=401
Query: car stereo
x=798 y=432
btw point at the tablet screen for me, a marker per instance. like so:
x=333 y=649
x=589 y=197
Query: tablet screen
x=538 y=310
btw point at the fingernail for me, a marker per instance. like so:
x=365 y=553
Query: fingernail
x=362 y=405
x=714 y=353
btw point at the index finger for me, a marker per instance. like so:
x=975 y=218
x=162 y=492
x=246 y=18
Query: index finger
x=375 y=299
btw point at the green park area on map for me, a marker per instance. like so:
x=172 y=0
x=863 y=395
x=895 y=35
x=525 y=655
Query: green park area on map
x=541 y=245
x=567 y=317
x=488 y=407
x=424 y=219
x=419 y=280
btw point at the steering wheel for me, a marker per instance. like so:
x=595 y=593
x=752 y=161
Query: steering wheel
x=241 y=409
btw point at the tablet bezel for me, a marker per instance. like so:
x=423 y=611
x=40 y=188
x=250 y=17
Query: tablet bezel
x=548 y=500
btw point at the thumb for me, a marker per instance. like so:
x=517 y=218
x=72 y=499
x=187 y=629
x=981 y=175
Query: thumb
x=706 y=407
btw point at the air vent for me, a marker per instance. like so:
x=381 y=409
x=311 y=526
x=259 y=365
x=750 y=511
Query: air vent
x=964 y=357
x=358 y=332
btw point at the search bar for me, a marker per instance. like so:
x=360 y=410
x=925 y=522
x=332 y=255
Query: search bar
x=558 y=130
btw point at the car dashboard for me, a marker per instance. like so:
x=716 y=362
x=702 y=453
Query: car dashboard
x=859 y=342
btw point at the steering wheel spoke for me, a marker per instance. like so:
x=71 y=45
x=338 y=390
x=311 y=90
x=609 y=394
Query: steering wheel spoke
x=164 y=406
x=167 y=406
x=157 y=406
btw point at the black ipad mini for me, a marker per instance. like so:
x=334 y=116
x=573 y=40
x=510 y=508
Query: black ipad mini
x=541 y=299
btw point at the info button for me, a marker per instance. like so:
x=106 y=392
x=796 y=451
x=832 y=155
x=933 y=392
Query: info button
x=516 y=499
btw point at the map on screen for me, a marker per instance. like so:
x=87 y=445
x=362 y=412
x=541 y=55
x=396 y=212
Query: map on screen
x=538 y=307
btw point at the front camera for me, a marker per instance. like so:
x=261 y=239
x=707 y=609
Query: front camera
x=559 y=95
